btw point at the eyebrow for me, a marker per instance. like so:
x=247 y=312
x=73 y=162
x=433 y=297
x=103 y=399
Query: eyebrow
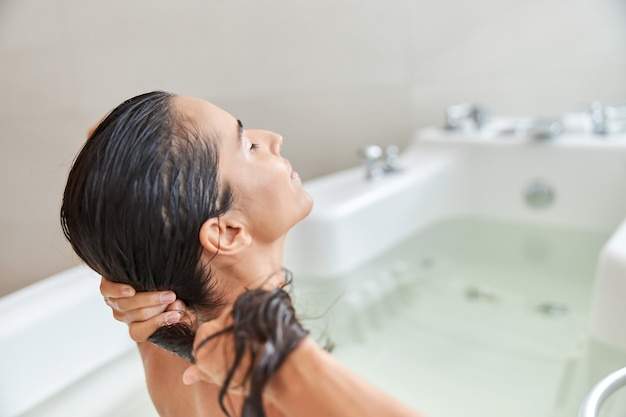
x=240 y=130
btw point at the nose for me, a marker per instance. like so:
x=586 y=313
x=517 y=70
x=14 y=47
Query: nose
x=273 y=141
x=276 y=142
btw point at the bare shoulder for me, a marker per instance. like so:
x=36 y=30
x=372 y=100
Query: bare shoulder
x=171 y=398
x=169 y=395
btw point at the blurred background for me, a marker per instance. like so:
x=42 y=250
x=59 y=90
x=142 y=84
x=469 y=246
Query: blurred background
x=330 y=75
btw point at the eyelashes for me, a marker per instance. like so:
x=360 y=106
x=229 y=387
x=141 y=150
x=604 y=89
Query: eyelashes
x=254 y=146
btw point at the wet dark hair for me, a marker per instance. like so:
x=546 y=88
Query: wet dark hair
x=264 y=327
x=136 y=196
x=135 y=199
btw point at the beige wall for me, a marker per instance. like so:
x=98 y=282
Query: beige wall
x=330 y=75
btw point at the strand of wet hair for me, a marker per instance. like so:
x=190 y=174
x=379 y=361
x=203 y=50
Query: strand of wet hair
x=265 y=329
x=178 y=338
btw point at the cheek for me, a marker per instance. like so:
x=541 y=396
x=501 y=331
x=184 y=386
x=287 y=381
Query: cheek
x=263 y=195
x=274 y=183
x=267 y=189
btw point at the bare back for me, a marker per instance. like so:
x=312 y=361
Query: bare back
x=172 y=398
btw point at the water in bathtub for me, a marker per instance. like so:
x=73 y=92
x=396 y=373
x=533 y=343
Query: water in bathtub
x=470 y=317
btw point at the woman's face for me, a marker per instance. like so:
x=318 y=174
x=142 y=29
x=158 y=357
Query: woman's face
x=266 y=189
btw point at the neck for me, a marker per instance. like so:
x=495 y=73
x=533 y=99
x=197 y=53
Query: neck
x=259 y=266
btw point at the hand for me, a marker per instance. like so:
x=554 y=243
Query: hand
x=144 y=312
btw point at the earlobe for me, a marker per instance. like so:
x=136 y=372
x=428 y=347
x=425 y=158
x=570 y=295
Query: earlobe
x=224 y=235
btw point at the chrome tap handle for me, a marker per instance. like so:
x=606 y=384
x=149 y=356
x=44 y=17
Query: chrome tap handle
x=606 y=120
x=480 y=115
x=597 y=113
x=393 y=157
x=372 y=154
x=460 y=116
x=457 y=115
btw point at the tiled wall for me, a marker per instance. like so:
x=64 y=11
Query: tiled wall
x=330 y=75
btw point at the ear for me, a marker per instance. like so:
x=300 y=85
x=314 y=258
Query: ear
x=225 y=234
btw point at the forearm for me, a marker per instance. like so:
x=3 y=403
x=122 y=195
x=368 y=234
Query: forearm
x=312 y=383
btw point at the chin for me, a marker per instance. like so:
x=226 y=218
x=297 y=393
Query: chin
x=309 y=207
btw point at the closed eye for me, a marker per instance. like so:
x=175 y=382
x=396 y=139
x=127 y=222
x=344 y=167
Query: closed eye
x=254 y=146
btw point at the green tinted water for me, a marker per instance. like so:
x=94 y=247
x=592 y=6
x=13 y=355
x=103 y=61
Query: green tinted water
x=470 y=317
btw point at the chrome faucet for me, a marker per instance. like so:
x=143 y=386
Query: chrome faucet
x=375 y=168
x=607 y=119
x=598 y=118
x=463 y=115
x=543 y=129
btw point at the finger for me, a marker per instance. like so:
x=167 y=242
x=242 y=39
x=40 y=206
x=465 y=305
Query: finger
x=177 y=305
x=140 y=331
x=139 y=314
x=181 y=308
x=193 y=374
x=113 y=289
x=142 y=300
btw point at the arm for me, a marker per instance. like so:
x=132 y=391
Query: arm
x=144 y=312
x=308 y=383
x=312 y=383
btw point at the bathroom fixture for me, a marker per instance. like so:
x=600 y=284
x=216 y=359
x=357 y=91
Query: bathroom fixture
x=375 y=168
x=552 y=309
x=544 y=128
x=598 y=118
x=538 y=194
x=606 y=120
x=607 y=303
x=474 y=120
x=601 y=391
x=372 y=154
x=481 y=293
x=392 y=162
x=466 y=115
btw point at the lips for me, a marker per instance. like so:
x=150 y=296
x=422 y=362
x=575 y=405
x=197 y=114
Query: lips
x=294 y=174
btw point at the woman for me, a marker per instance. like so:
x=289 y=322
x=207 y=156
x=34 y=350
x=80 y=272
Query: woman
x=171 y=194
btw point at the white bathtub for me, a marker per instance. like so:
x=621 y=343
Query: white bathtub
x=61 y=348
x=451 y=176
x=62 y=354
